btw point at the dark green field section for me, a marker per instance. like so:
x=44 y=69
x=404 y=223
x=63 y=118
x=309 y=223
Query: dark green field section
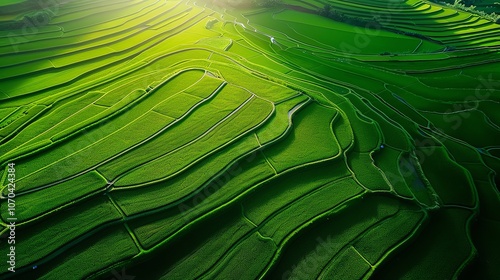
x=173 y=139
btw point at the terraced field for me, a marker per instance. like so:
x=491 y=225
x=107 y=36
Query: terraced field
x=180 y=139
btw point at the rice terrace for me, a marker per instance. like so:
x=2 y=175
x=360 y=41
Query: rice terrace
x=249 y=139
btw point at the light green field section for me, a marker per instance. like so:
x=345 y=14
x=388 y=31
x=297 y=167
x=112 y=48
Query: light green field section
x=229 y=140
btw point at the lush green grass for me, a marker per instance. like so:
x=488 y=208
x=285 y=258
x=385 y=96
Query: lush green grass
x=34 y=204
x=112 y=246
x=83 y=221
x=312 y=127
x=224 y=140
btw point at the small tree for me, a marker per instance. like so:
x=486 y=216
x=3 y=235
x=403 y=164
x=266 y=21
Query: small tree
x=326 y=10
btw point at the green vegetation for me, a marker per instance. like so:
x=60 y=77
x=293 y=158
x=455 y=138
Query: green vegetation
x=482 y=8
x=263 y=139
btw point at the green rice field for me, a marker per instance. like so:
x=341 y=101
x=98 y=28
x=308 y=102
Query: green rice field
x=249 y=139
